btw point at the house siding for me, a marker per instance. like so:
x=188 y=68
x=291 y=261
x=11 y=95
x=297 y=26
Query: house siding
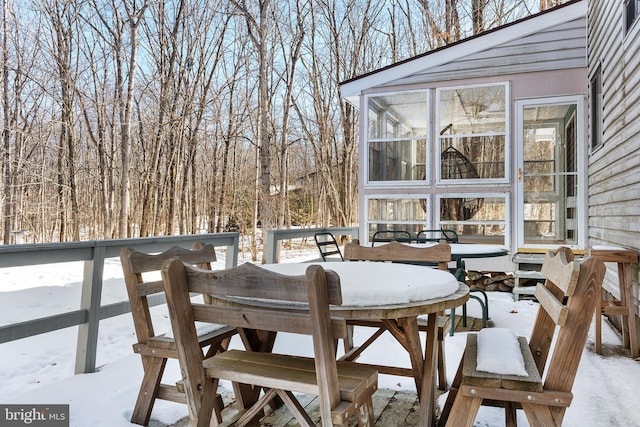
x=614 y=167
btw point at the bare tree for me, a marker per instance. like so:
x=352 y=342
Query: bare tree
x=6 y=137
x=63 y=20
x=258 y=28
x=290 y=54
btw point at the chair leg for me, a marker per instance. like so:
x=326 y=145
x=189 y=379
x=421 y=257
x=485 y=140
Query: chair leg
x=218 y=347
x=483 y=306
x=464 y=314
x=464 y=411
x=442 y=366
x=365 y=414
x=153 y=369
x=206 y=407
x=542 y=416
x=452 y=321
x=630 y=335
x=453 y=391
x=511 y=419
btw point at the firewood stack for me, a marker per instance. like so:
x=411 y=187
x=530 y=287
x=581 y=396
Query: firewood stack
x=490 y=281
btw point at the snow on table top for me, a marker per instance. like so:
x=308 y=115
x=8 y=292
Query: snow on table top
x=381 y=283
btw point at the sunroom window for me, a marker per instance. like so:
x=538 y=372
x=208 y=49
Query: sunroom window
x=477 y=218
x=404 y=213
x=472 y=133
x=397 y=137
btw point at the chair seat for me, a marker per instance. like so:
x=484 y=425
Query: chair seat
x=471 y=376
x=285 y=372
x=165 y=346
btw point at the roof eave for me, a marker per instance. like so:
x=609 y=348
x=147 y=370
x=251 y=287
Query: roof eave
x=353 y=88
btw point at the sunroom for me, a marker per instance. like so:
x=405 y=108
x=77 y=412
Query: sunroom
x=485 y=137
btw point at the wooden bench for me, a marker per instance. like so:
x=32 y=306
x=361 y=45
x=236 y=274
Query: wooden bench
x=544 y=398
x=153 y=348
x=344 y=388
x=624 y=306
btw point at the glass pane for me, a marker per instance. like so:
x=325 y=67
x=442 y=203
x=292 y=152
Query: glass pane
x=412 y=229
x=539 y=158
x=472 y=133
x=488 y=214
x=550 y=174
x=470 y=208
x=472 y=157
x=397 y=210
x=397 y=160
x=472 y=110
x=397 y=116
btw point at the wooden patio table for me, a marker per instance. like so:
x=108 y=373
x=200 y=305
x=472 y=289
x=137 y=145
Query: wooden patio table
x=395 y=294
x=462 y=251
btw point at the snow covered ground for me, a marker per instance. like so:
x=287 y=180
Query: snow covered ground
x=39 y=370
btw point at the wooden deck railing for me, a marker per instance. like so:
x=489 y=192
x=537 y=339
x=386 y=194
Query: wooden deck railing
x=91 y=311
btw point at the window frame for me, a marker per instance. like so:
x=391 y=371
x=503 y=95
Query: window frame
x=368 y=183
x=596 y=106
x=631 y=13
x=404 y=196
x=440 y=182
x=497 y=195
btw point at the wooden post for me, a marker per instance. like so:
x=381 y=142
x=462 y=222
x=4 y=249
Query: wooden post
x=624 y=306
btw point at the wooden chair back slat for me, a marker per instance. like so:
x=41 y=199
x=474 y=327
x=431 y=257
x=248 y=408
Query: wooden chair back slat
x=562 y=275
x=573 y=335
x=263 y=319
x=323 y=343
x=559 y=270
x=142 y=262
x=554 y=308
x=248 y=280
x=398 y=252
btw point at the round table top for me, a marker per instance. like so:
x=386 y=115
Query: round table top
x=470 y=250
x=379 y=290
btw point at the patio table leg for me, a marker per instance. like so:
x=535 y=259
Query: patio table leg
x=406 y=331
x=428 y=386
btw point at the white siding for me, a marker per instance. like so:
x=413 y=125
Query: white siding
x=556 y=48
x=614 y=168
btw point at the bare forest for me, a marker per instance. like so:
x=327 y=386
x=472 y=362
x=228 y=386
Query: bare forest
x=126 y=118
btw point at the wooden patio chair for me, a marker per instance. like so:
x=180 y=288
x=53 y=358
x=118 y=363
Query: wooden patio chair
x=545 y=392
x=343 y=388
x=438 y=255
x=155 y=349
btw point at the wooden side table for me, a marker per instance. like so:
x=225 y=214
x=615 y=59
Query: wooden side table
x=624 y=306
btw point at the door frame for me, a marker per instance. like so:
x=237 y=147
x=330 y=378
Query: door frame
x=581 y=166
